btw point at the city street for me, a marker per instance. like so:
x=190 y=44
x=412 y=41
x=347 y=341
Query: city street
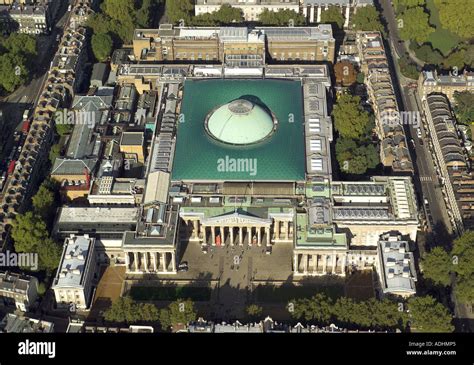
x=425 y=179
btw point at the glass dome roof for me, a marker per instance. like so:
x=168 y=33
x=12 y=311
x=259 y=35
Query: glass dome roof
x=240 y=122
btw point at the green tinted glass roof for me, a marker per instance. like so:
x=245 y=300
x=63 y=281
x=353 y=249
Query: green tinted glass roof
x=278 y=153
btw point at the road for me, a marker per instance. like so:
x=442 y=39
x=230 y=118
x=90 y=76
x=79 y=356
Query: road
x=426 y=179
x=26 y=96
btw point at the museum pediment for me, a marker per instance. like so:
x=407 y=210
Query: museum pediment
x=235 y=219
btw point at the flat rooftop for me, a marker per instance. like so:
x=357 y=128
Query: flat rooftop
x=98 y=214
x=74 y=261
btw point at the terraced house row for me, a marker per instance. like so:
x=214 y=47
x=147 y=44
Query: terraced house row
x=63 y=78
x=394 y=151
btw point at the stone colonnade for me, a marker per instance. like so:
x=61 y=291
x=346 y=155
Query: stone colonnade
x=239 y=232
x=317 y=9
x=163 y=262
x=319 y=263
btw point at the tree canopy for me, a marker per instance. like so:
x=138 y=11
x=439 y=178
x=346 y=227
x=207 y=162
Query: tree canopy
x=428 y=315
x=178 y=10
x=356 y=158
x=282 y=17
x=126 y=310
x=350 y=119
x=254 y=311
x=119 y=18
x=28 y=231
x=437 y=266
x=333 y=15
x=225 y=15
x=102 y=45
x=179 y=312
x=413 y=24
x=17 y=54
x=456 y=16
x=345 y=311
x=367 y=18
x=464 y=107
x=44 y=202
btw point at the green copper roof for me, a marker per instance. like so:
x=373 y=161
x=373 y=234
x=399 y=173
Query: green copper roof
x=241 y=141
x=240 y=122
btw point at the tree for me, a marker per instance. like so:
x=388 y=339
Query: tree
x=463 y=254
x=317 y=308
x=62 y=128
x=28 y=231
x=179 y=312
x=367 y=18
x=178 y=10
x=54 y=152
x=427 y=54
x=407 y=68
x=413 y=24
x=350 y=119
x=49 y=253
x=408 y=3
x=20 y=44
x=225 y=15
x=101 y=46
x=464 y=289
x=254 y=311
x=126 y=310
x=360 y=78
x=385 y=314
x=333 y=15
x=13 y=71
x=282 y=17
x=345 y=73
x=455 y=59
x=456 y=16
x=464 y=107
x=120 y=10
x=43 y=202
x=428 y=315
x=437 y=266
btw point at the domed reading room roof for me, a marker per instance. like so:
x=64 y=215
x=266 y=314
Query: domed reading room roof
x=240 y=122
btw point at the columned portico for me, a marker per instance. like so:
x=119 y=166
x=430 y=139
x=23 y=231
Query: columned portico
x=318 y=262
x=153 y=262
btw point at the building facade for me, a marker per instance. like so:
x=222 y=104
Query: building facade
x=20 y=290
x=73 y=284
x=234 y=46
x=251 y=9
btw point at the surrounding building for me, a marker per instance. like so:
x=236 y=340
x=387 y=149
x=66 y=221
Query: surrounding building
x=234 y=46
x=389 y=120
x=12 y=323
x=30 y=17
x=430 y=82
x=312 y=9
x=451 y=158
x=73 y=284
x=62 y=81
x=251 y=9
x=396 y=266
x=19 y=290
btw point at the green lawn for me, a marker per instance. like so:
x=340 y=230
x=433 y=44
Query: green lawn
x=170 y=293
x=441 y=39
